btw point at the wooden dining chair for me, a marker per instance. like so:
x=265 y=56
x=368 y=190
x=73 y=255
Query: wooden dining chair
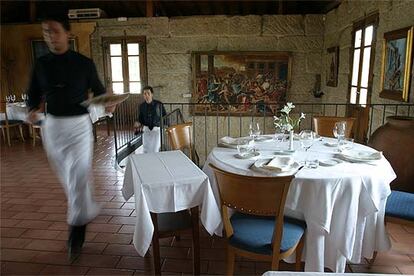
x=108 y=122
x=181 y=138
x=172 y=225
x=258 y=229
x=7 y=124
x=34 y=128
x=323 y=125
x=399 y=209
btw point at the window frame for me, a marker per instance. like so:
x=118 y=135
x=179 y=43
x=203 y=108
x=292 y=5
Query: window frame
x=124 y=40
x=362 y=24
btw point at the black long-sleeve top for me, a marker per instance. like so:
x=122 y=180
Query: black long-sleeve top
x=150 y=113
x=63 y=82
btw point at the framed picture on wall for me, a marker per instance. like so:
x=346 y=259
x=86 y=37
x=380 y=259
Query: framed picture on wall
x=239 y=83
x=332 y=65
x=39 y=47
x=396 y=64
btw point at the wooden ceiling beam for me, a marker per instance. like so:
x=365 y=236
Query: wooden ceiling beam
x=149 y=11
x=331 y=5
x=280 y=7
x=32 y=11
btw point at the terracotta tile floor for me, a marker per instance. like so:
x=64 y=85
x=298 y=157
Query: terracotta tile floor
x=34 y=231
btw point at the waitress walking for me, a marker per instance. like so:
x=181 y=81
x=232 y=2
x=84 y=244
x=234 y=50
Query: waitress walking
x=62 y=79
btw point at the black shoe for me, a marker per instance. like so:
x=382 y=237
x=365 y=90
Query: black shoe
x=75 y=241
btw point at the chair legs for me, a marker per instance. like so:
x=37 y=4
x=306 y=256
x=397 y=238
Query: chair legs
x=196 y=240
x=156 y=246
x=299 y=250
x=371 y=261
x=21 y=132
x=4 y=136
x=34 y=135
x=231 y=257
x=8 y=136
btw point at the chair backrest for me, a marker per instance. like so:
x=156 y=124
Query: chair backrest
x=262 y=196
x=323 y=125
x=180 y=137
x=3 y=110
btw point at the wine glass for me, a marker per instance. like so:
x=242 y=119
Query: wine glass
x=339 y=130
x=306 y=140
x=24 y=97
x=254 y=130
x=13 y=98
x=8 y=99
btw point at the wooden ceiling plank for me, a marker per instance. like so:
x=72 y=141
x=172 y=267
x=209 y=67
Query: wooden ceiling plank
x=149 y=8
x=32 y=11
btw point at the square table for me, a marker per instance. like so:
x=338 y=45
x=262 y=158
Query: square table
x=167 y=182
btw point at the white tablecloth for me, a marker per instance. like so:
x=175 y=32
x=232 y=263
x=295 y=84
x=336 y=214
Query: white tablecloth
x=343 y=205
x=19 y=110
x=167 y=182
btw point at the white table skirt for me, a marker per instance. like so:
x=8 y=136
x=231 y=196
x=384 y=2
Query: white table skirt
x=343 y=205
x=167 y=182
x=19 y=111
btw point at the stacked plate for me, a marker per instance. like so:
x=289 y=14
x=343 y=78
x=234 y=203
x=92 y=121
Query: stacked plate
x=280 y=166
x=361 y=155
x=230 y=142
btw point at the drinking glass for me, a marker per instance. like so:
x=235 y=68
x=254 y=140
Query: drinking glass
x=339 y=130
x=254 y=130
x=306 y=140
x=279 y=138
x=346 y=144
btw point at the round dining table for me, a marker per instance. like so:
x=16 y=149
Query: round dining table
x=342 y=201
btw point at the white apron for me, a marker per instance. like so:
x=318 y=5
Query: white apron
x=68 y=142
x=151 y=139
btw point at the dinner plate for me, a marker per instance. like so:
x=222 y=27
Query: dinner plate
x=361 y=155
x=284 y=152
x=106 y=100
x=263 y=138
x=331 y=144
x=248 y=155
x=258 y=166
x=330 y=162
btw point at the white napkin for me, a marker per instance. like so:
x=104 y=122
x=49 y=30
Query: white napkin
x=370 y=156
x=363 y=155
x=228 y=140
x=280 y=164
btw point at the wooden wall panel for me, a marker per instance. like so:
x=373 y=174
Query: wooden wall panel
x=16 y=56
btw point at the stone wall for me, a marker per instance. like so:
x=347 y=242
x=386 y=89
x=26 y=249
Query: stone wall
x=171 y=41
x=393 y=15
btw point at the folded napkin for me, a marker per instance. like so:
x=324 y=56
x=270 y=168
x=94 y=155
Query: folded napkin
x=363 y=155
x=370 y=155
x=228 y=140
x=280 y=164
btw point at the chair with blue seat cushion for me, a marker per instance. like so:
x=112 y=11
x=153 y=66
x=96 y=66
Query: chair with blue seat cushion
x=258 y=229
x=400 y=208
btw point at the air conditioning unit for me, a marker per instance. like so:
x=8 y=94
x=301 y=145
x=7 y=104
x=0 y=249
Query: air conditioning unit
x=86 y=13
